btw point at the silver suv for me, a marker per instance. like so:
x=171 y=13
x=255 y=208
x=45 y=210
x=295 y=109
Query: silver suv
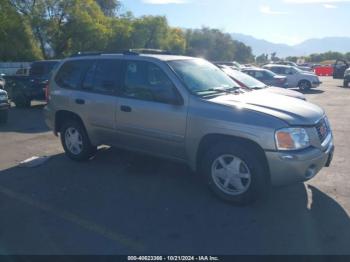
x=296 y=77
x=188 y=110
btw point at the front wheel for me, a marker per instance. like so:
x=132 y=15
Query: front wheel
x=235 y=173
x=76 y=142
x=304 y=85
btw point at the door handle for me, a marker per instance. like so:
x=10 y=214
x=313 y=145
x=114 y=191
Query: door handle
x=126 y=109
x=80 y=101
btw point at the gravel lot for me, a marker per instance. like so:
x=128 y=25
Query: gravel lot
x=124 y=203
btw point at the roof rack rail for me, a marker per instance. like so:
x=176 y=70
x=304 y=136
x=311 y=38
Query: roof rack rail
x=125 y=52
x=149 y=51
x=86 y=54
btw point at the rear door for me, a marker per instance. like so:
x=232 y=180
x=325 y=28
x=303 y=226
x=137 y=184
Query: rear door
x=98 y=98
x=151 y=115
x=92 y=85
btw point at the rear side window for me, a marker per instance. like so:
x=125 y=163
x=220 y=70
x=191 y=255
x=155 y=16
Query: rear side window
x=102 y=77
x=37 y=69
x=70 y=74
x=42 y=68
x=276 y=70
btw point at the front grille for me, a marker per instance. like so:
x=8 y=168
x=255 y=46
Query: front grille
x=322 y=129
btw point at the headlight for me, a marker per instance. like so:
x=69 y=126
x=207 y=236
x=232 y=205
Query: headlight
x=3 y=97
x=292 y=139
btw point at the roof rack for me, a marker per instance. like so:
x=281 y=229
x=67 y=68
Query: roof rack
x=125 y=52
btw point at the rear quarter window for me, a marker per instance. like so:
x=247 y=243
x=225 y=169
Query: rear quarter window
x=70 y=74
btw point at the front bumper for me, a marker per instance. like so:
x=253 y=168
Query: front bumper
x=316 y=84
x=291 y=167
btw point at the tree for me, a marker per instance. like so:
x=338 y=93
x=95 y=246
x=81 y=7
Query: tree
x=211 y=44
x=17 y=40
x=243 y=53
x=262 y=59
x=149 y=32
x=109 y=7
x=65 y=26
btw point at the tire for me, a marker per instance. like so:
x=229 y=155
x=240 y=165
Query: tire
x=304 y=85
x=346 y=83
x=22 y=102
x=244 y=160
x=76 y=142
x=3 y=116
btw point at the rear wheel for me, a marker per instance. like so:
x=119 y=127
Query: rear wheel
x=346 y=83
x=3 y=116
x=235 y=173
x=304 y=85
x=76 y=142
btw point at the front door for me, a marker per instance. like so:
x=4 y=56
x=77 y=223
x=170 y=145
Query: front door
x=151 y=116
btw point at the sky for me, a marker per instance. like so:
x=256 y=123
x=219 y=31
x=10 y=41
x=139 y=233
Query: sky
x=279 y=21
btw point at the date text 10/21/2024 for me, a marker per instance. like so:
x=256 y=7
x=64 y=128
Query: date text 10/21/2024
x=173 y=258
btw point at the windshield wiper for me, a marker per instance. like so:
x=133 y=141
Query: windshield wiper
x=219 y=90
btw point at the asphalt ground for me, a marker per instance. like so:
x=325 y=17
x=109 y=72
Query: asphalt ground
x=125 y=203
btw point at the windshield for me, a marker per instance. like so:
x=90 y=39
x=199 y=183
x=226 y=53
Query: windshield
x=297 y=69
x=245 y=79
x=202 y=77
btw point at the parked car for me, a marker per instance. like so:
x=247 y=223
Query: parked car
x=267 y=77
x=301 y=67
x=347 y=77
x=339 y=69
x=24 y=89
x=248 y=82
x=296 y=77
x=187 y=109
x=4 y=106
x=2 y=81
x=233 y=65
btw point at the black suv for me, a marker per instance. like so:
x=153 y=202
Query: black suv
x=24 y=89
x=339 y=69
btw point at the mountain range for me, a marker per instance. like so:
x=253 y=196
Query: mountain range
x=316 y=45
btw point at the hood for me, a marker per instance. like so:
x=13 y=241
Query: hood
x=282 y=91
x=293 y=111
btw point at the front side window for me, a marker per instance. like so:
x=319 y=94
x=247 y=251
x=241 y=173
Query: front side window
x=268 y=74
x=259 y=75
x=201 y=77
x=70 y=74
x=146 y=81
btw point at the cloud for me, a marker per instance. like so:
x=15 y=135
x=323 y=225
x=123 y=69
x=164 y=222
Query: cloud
x=329 y=6
x=265 y=9
x=165 y=2
x=315 y=1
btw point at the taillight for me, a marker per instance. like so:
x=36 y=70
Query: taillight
x=47 y=92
